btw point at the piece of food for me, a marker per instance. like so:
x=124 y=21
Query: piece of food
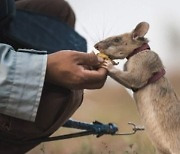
x=105 y=57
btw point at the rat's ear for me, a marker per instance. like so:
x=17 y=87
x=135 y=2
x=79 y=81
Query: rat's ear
x=140 y=30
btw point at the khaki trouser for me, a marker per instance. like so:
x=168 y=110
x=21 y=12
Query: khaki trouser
x=57 y=104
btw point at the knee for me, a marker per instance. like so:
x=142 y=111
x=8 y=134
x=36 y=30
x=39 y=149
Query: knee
x=63 y=11
x=56 y=8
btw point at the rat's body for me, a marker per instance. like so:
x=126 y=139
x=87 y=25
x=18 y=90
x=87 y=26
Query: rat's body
x=157 y=102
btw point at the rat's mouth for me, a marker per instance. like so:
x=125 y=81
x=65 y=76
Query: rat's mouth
x=104 y=56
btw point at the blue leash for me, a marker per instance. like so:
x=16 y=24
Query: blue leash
x=96 y=128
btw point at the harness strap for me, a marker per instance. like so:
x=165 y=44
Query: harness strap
x=156 y=76
x=145 y=46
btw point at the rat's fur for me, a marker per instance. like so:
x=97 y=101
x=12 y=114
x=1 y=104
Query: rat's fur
x=157 y=102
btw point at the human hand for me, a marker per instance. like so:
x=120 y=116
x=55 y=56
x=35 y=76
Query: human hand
x=75 y=70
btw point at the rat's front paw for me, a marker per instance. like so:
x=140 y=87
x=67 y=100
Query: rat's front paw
x=107 y=64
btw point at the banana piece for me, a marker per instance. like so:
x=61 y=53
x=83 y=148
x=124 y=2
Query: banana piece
x=102 y=55
x=105 y=57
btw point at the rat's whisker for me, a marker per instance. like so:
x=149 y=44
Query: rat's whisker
x=87 y=32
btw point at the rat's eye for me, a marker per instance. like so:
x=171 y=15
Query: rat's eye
x=117 y=40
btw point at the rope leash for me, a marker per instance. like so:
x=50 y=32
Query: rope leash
x=96 y=128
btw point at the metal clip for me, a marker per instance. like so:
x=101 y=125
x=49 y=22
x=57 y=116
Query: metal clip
x=135 y=128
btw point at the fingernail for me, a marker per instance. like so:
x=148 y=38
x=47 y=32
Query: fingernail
x=100 y=59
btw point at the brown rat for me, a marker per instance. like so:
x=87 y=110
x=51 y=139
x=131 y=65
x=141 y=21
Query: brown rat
x=144 y=72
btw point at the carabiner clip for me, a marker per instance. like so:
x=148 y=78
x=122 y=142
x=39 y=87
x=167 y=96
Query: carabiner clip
x=135 y=128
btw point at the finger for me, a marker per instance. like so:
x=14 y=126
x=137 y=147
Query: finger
x=95 y=74
x=89 y=59
x=104 y=66
x=94 y=79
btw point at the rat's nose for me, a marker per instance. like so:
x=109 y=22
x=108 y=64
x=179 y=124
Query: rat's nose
x=96 y=46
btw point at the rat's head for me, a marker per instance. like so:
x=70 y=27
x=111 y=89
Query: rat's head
x=120 y=46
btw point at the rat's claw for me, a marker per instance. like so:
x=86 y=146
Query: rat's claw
x=107 y=64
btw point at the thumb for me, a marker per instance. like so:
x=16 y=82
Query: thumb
x=89 y=59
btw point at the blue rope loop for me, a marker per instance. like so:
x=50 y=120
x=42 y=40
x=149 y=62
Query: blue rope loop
x=101 y=129
x=96 y=127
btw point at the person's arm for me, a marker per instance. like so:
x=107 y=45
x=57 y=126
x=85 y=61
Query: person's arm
x=22 y=76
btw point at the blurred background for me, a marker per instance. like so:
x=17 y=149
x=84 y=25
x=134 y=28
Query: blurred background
x=96 y=20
